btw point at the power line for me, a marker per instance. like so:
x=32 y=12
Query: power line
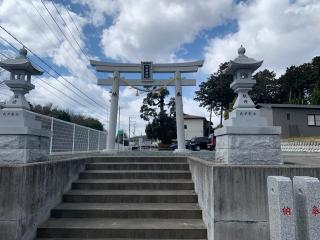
x=45 y=70
x=63 y=33
x=63 y=93
x=69 y=30
x=50 y=84
x=53 y=93
x=44 y=62
x=50 y=28
x=61 y=30
x=71 y=34
x=11 y=45
x=58 y=97
x=72 y=20
x=36 y=23
x=59 y=89
x=48 y=25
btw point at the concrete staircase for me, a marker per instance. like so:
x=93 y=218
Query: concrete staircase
x=129 y=198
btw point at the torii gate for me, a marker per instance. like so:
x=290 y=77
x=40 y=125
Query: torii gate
x=146 y=69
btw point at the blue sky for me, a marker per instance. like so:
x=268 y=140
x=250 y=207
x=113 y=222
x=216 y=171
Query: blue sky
x=281 y=32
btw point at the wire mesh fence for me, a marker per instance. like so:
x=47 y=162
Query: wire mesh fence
x=70 y=137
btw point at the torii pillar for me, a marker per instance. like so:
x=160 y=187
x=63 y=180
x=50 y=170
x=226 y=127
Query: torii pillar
x=179 y=114
x=146 y=69
x=113 y=112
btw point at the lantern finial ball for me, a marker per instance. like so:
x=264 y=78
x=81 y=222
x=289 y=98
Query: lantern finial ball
x=23 y=52
x=241 y=50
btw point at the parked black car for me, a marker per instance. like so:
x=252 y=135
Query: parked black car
x=174 y=145
x=198 y=143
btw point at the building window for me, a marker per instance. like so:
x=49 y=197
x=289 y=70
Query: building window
x=314 y=120
x=185 y=126
x=288 y=116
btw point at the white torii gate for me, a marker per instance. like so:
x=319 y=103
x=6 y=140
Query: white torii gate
x=146 y=69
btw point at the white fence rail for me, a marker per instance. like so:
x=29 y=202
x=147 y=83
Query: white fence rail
x=300 y=146
x=70 y=137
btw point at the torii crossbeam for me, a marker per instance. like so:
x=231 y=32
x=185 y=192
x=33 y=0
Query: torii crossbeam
x=146 y=69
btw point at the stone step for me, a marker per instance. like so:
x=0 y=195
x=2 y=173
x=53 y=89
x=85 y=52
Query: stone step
x=112 y=239
x=123 y=228
x=139 y=159
x=131 y=196
x=125 y=210
x=137 y=166
x=127 y=184
x=136 y=174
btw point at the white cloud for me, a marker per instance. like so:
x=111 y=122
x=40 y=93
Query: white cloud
x=130 y=107
x=22 y=19
x=157 y=29
x=280 y=32
x=99 y=10
x=44 y=94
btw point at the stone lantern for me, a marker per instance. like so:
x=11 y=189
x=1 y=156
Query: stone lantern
x=20 y=69
x=246 y=137
x=22 y=137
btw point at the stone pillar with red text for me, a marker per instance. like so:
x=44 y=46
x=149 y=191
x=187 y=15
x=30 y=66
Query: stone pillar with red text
x=281 y=208
x=307 y=203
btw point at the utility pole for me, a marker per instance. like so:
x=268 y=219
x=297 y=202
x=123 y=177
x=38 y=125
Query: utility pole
x=130 y=117
x=134 y=129
x=129 y=131
x=118 y=130
x=210 y=118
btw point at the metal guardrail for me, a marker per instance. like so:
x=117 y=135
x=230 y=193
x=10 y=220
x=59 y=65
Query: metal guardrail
x=70 y=137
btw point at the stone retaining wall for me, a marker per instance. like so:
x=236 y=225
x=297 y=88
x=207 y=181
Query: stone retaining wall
x=234 y=198
x=29 y=191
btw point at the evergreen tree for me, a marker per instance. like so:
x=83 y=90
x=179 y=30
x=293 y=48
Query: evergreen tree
x=50 y=110
x=266 y=89
x=216 y=94
x=162 y=125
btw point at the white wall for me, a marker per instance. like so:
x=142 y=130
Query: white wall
x=194 y=128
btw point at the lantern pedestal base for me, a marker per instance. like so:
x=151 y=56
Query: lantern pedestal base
x=22 y=138
x=256 y=145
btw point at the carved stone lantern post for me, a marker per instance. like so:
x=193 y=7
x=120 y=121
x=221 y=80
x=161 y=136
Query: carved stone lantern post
x=20 y=69
x=246 y=138
x=22 y=138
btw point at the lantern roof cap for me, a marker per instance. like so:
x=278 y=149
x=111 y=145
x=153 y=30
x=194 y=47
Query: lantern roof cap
x=21 y=63
x=242 y=62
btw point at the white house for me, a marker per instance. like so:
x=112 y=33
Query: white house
x=194 y=126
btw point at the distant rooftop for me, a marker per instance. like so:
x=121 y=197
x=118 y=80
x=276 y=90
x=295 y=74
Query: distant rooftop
x=259 y=105
x=188 y=116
